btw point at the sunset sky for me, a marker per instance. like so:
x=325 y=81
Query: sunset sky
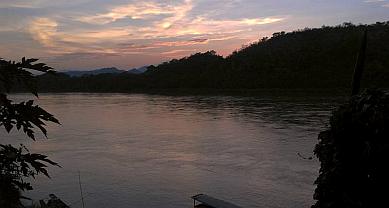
x=88 y=34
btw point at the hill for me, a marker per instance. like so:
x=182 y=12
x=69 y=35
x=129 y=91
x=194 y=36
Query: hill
x=139 y=70
x=308 y=58
x=111 y=70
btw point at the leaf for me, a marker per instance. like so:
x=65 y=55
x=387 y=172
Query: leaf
x=18 y=164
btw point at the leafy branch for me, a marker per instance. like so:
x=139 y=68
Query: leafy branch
x=18 y=164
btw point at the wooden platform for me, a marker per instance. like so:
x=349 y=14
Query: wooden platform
x=206 y=201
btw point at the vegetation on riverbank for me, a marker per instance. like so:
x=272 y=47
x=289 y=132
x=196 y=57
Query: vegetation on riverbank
x=354 y=153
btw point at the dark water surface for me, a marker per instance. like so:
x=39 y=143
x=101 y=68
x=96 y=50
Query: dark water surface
x=138 y=150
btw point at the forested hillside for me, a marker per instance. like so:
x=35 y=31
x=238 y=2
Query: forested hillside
x=309 y=58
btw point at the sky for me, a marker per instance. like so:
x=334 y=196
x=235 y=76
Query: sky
x=89 y=34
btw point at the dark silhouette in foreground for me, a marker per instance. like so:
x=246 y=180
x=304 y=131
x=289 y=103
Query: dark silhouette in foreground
x=354 y=151
x=359 y=67
x=53 y=202
x=17 y=164
x=206 y=201
x=354 y=154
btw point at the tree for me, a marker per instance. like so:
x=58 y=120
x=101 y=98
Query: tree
x=354 y=154
x=16 y=163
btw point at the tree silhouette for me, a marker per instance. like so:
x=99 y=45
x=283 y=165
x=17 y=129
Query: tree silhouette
x=354 y=153
x=17 y=163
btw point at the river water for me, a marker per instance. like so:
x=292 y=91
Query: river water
x=139 y=150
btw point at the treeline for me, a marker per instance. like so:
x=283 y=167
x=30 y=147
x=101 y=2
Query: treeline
x=309 y=58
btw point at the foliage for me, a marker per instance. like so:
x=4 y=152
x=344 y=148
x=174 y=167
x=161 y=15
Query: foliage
x=24 y=116
x=12 y=72
x=354 y=153
x=310 y=58
x=18 y=164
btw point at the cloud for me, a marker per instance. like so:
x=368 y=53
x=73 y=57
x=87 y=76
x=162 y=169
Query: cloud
x=259 y=21
x=169 y=20
x=35 y=4
x=46 y=32
x=182 y=43
x=135 y=46
x=373 y=1
x=93 y=36
x=18 y=4
x=43 y=30
x=200 y=25
x=172 y=20
x=141 y=10
x=199 y=40
x=385 y=4
x=178 y=53
x=152 y=27
x=115 y=40
x=132 y=48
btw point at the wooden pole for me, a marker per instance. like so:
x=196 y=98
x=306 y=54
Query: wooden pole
x=79 y=182
x=359 y=66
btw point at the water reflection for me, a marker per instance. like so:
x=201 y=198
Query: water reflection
x=151 y=150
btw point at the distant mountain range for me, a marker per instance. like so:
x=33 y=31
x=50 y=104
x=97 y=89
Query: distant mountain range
x=140 y=70
x=111 y=70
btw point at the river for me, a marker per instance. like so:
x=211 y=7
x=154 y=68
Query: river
x=140 y=150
